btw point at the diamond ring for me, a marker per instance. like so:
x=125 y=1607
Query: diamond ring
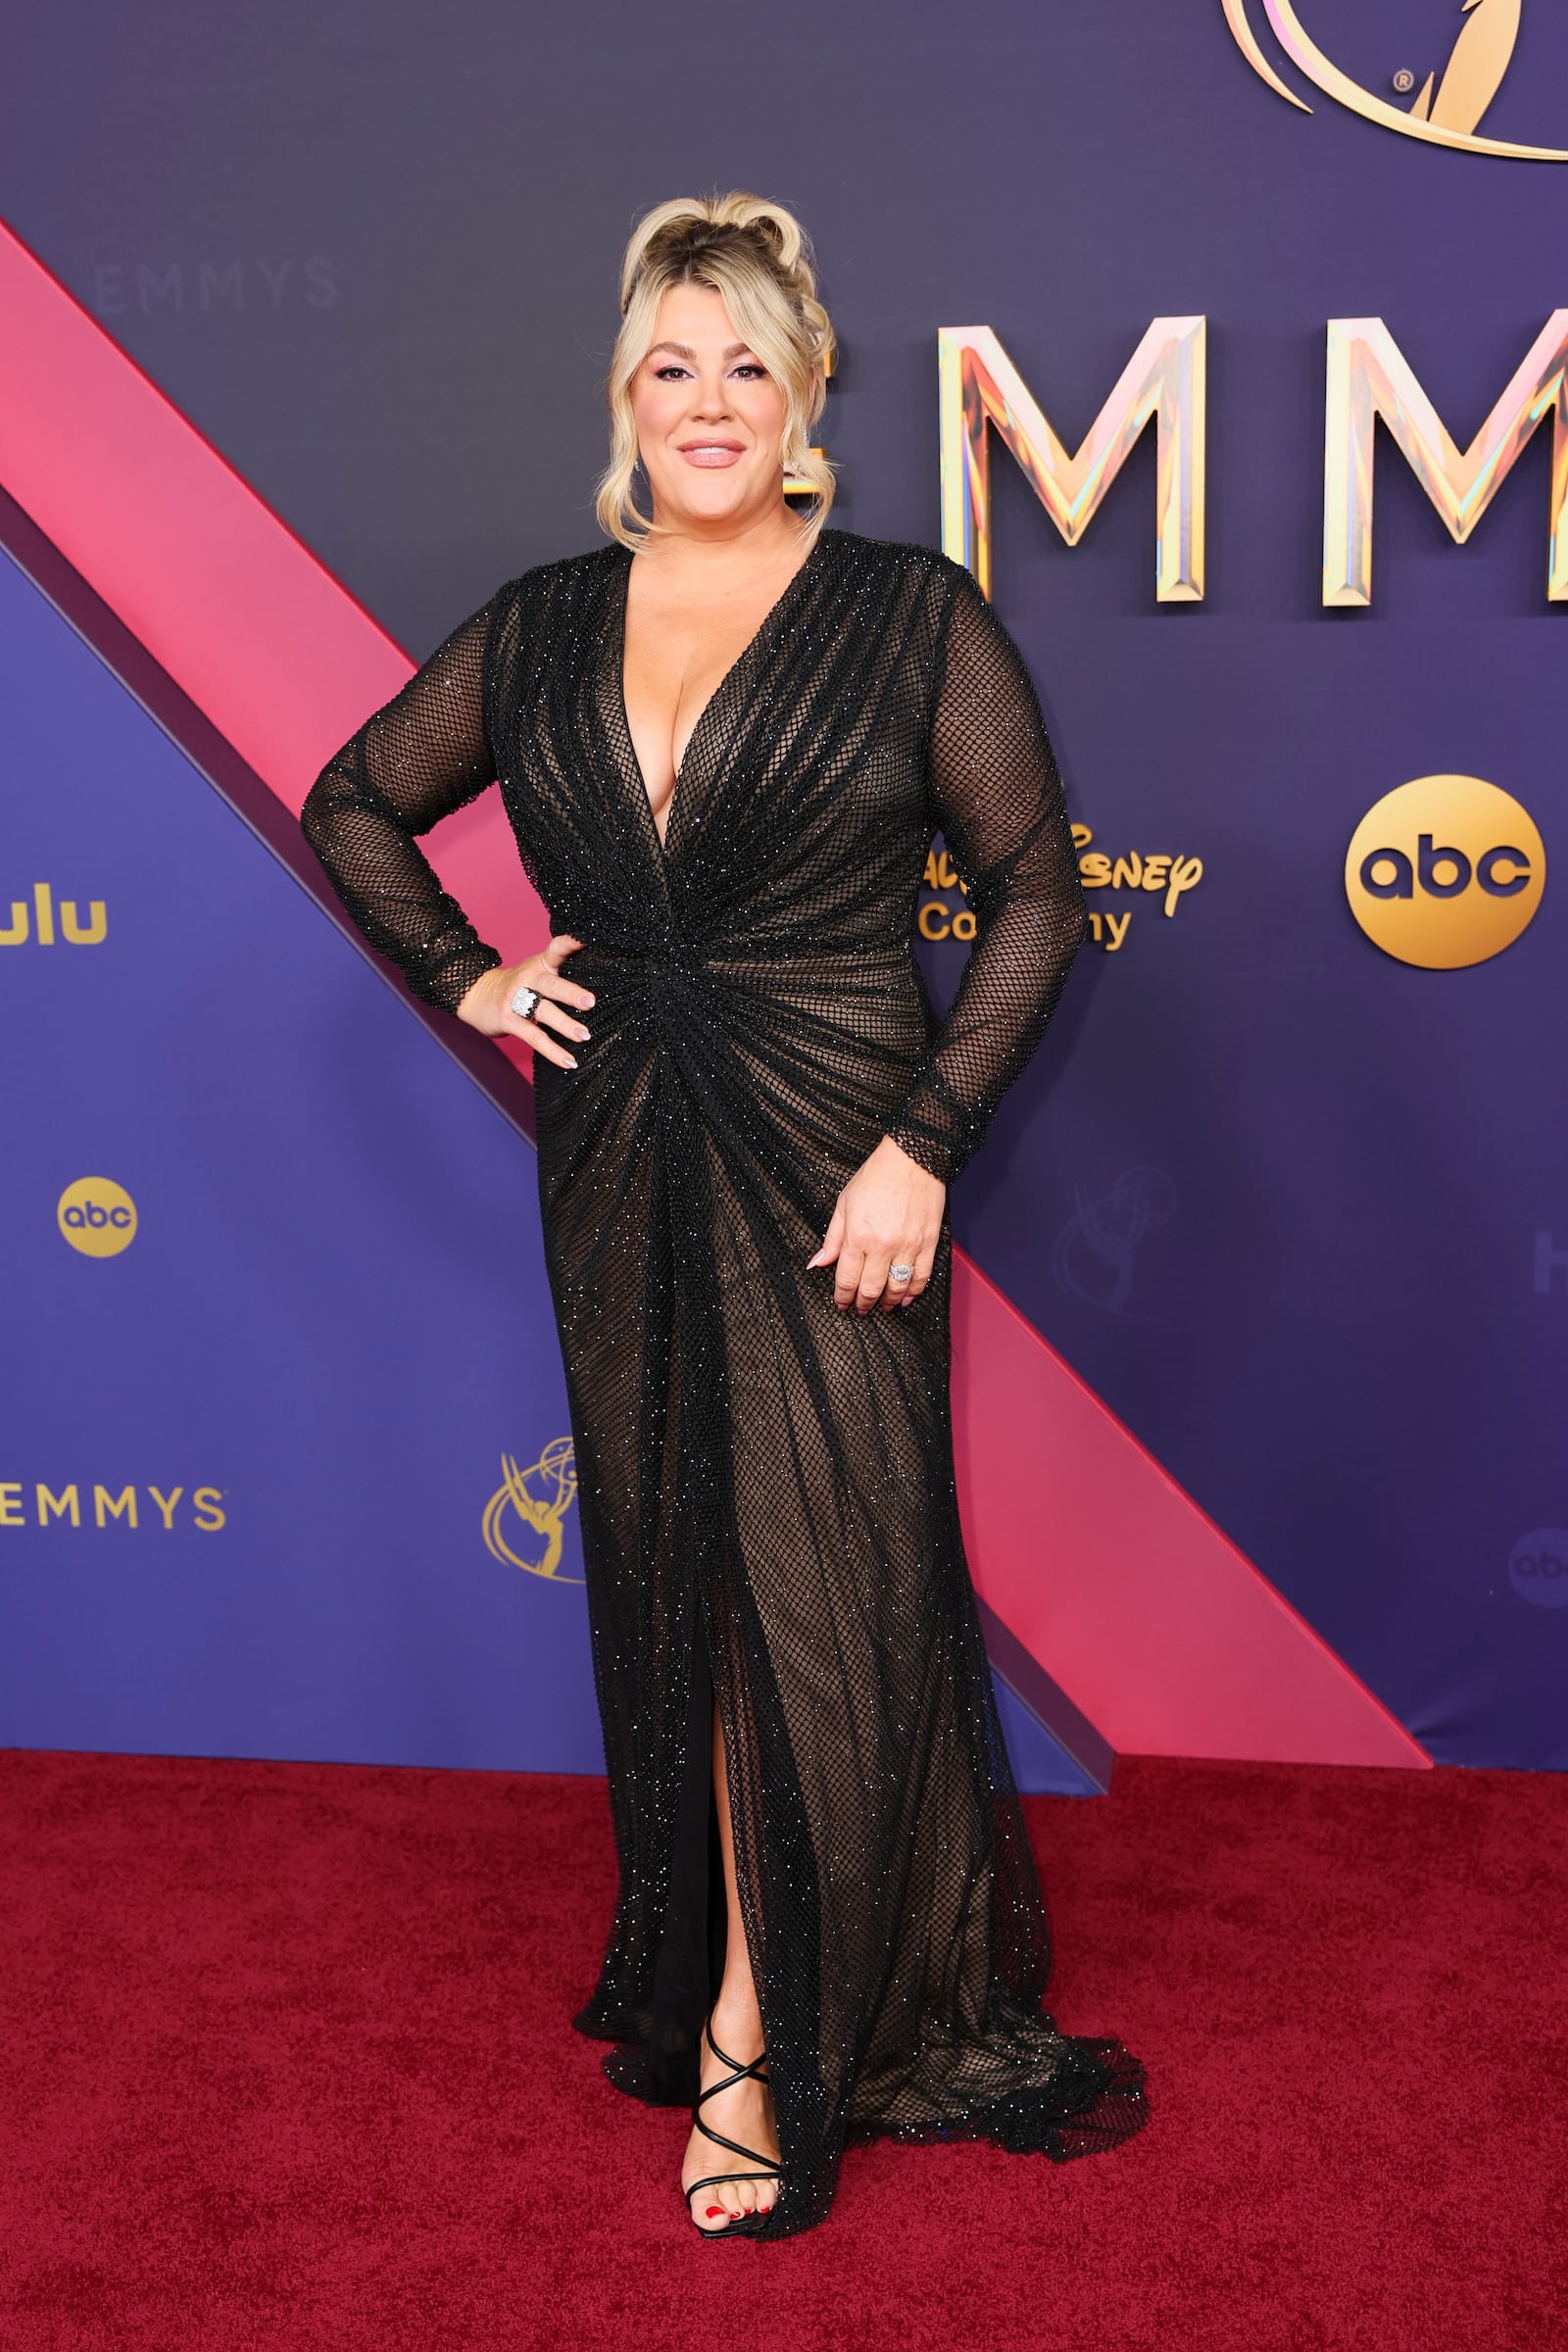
x=523 y=1003
x=899 y=1273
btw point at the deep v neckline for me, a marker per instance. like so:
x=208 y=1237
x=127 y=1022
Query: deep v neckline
x=617 y=635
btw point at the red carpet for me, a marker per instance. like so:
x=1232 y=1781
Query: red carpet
x=288 y=2065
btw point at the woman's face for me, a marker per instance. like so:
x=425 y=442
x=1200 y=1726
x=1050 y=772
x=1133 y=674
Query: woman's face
x=710 y=418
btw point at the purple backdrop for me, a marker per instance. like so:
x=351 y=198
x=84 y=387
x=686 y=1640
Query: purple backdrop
x=379 y=272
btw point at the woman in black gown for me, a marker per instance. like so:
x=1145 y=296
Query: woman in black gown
x=724 y=741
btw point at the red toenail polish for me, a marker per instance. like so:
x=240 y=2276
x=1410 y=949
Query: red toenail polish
x=713 y=2213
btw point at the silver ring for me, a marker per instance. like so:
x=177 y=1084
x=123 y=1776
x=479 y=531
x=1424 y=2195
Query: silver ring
x=523 y=1003
x=899 y=1273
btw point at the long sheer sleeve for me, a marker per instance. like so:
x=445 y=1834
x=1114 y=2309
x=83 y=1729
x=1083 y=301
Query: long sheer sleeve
x=423 y=753
x=998 y=795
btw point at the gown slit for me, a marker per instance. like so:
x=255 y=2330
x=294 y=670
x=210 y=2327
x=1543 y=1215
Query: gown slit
x=767 y=1483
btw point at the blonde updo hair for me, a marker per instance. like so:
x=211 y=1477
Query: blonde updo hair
x=755 y=255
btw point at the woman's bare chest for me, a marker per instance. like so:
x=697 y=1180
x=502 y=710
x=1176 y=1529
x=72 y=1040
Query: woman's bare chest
x=677 y=650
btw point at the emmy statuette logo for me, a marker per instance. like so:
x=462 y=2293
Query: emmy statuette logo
x=537 y=1500
x=1450 y=103
x=1445 y=871
x=97 y=1216
x=1095 y=1254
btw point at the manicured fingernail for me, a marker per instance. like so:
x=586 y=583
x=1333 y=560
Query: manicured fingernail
x=571 y=1061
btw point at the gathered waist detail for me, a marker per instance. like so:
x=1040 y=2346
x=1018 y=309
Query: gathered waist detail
x=810 y=962
x=686 y=991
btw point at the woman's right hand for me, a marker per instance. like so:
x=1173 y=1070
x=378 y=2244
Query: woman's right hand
x=487 y=1006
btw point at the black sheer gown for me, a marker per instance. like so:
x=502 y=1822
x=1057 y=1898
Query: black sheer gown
x=766 y=1481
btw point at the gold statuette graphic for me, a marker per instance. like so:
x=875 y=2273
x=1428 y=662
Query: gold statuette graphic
x=554 y=1475
x=1445 y=111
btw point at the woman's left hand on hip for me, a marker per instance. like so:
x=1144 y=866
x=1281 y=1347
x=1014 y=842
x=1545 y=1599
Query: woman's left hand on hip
x=882 y=1236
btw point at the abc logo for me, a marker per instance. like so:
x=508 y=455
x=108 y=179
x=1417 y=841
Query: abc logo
x=97 y=1216
x=1537 y=1567
x=1445 y=871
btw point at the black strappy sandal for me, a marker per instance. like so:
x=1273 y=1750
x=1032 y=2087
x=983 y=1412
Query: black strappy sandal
x=737 y=2226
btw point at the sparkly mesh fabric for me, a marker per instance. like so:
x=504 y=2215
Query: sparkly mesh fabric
x=768 y=1506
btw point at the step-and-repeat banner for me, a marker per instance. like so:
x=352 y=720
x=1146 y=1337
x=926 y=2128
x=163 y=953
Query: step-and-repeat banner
x=1227 y=341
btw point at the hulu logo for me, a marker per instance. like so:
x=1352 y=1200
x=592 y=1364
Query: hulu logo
x=37 y=922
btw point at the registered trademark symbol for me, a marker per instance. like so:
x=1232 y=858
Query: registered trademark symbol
x=1404 y=81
